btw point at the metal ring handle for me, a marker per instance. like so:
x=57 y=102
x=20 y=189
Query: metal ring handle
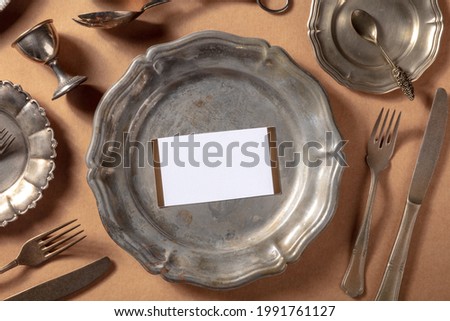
x=280 y=10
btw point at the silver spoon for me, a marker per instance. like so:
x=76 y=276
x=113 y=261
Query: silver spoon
x=366 y=27
x=112 y=19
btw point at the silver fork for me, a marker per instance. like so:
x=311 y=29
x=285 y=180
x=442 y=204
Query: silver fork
x=46 y=246
x=379 y=152
x=6 y=139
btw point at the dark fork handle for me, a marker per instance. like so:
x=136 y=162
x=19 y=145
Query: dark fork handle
x=353 y=280
x=9 y=266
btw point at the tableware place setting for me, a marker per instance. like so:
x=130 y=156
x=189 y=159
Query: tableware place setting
x=224 y=224
x=405 y=32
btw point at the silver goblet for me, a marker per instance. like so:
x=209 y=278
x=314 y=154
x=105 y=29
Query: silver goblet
x=41 y=44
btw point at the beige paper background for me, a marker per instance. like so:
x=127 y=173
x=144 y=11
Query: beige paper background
x=104 y=56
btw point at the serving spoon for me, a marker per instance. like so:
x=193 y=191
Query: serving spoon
x=112 y=19
x=365 y=25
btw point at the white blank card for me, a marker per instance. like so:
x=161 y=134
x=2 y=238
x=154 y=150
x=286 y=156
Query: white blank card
x=217 y=166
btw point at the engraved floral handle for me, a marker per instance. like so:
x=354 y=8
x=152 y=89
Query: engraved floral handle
x=400 y=76
x=392 y=279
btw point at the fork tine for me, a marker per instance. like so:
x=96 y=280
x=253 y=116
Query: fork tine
x=65 y=247
x=62 y=241
x=9 y=140
x=394 y=134
x=42 y=236
x=10 y=137
x=380 y=138
x=375 y=127
x=57 y=236
x=5 y=134
x=387 y=133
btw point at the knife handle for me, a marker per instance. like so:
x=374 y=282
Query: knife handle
x=392 y=278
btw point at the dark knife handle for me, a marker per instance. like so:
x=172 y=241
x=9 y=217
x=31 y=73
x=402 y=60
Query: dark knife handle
x=392 y=278
x=67 y=284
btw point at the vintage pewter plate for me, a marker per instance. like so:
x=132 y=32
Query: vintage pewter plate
x=409 y=31
x=28 y=164
x=206 y=82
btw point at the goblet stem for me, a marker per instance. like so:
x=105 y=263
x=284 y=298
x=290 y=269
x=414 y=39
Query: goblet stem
x=66 y=82
x=62 y=76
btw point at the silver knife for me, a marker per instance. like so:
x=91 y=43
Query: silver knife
x=61 y=287
x=426 y=162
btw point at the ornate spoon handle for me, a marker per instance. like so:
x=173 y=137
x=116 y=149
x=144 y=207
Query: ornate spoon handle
x=404 y=82
x=401 y=77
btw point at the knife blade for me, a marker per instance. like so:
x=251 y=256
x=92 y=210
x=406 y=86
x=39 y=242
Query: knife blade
x=425 y=165
x=430 y=148
x=62 y=286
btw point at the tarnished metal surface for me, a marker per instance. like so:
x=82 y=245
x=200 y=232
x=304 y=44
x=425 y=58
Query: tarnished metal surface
x=28 y=165
x=410 y=31
x=432 y=142
x=113 y=19
x=67 y=284
x=206 y=82
x=41 y=44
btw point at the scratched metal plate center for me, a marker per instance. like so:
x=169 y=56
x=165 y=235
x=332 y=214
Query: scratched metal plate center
x=207 y=82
